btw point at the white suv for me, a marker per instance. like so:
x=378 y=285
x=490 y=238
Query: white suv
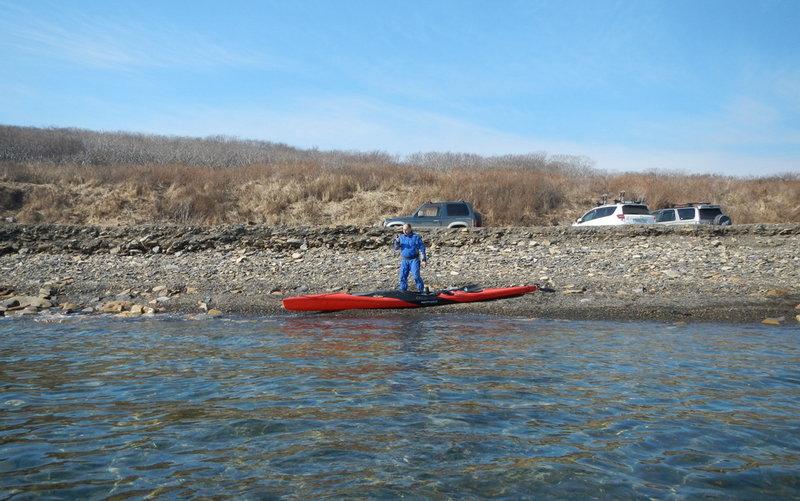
x=693 y=213
x=620 y=212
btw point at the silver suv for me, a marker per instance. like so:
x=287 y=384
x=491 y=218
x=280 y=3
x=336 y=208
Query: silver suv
x=693 y=213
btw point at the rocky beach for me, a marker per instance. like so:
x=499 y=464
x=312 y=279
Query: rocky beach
x=742 y=273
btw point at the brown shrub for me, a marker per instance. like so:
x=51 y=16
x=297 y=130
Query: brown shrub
x=361 y=193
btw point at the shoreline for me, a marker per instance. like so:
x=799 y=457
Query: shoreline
x=743 y=274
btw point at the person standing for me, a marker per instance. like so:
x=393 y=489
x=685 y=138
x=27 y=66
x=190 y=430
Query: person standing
x=412 y=255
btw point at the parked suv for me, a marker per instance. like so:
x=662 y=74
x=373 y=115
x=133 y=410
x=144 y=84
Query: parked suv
x=440 y=215
x=693 y=213
x=619 y=212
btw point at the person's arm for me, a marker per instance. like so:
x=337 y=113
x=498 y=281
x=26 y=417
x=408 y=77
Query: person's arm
x=421 y=246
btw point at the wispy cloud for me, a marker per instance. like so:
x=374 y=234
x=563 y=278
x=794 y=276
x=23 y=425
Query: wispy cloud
x=787 y=88
x=750 y=112
x=105 y=43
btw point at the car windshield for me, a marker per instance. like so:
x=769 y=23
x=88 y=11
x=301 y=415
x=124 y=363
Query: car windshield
x=635 y=209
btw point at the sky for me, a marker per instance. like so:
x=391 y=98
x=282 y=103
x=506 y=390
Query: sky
x=683 y=86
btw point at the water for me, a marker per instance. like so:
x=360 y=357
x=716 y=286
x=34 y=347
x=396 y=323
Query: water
x=395 y=406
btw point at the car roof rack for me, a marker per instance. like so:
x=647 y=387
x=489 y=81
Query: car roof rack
x=689 y=204
x=620 y=200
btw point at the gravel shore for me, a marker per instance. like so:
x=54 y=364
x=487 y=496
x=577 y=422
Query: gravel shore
x=744 y=273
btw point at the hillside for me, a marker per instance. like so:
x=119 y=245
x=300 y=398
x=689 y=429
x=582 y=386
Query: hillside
x=74 y=176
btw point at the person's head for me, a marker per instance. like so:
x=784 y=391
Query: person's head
x=407 y=229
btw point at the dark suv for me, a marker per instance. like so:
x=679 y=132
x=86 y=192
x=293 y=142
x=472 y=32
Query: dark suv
x=440 y=215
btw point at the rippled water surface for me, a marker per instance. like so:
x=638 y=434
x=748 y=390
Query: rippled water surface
x=415 y=406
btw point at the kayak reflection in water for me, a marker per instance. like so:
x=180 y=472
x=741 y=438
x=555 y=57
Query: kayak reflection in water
x=412 y=253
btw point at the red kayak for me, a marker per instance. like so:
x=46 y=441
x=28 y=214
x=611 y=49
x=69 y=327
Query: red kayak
x=400 y=299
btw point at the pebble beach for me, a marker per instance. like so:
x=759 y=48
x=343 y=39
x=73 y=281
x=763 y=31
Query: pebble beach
x=741 y=273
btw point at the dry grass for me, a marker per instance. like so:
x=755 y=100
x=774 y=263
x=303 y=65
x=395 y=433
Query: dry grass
x=84 y=177
x=361 y=194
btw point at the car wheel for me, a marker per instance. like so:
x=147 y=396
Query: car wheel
x=722 y=220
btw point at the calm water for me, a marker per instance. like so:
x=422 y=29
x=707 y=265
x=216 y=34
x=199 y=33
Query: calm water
x=397 y=406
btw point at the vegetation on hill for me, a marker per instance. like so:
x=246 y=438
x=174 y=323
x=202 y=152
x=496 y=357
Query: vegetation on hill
x=75 y=176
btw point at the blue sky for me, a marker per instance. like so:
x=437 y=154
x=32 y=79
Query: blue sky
x=695 y=86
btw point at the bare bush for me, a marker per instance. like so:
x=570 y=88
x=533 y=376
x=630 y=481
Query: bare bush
x=77 y=176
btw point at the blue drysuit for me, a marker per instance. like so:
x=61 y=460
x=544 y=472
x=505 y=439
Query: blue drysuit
x=411 y=250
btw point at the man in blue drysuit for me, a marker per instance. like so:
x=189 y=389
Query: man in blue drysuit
x=412 y=253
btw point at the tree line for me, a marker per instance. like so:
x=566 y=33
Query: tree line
x=65 y=146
